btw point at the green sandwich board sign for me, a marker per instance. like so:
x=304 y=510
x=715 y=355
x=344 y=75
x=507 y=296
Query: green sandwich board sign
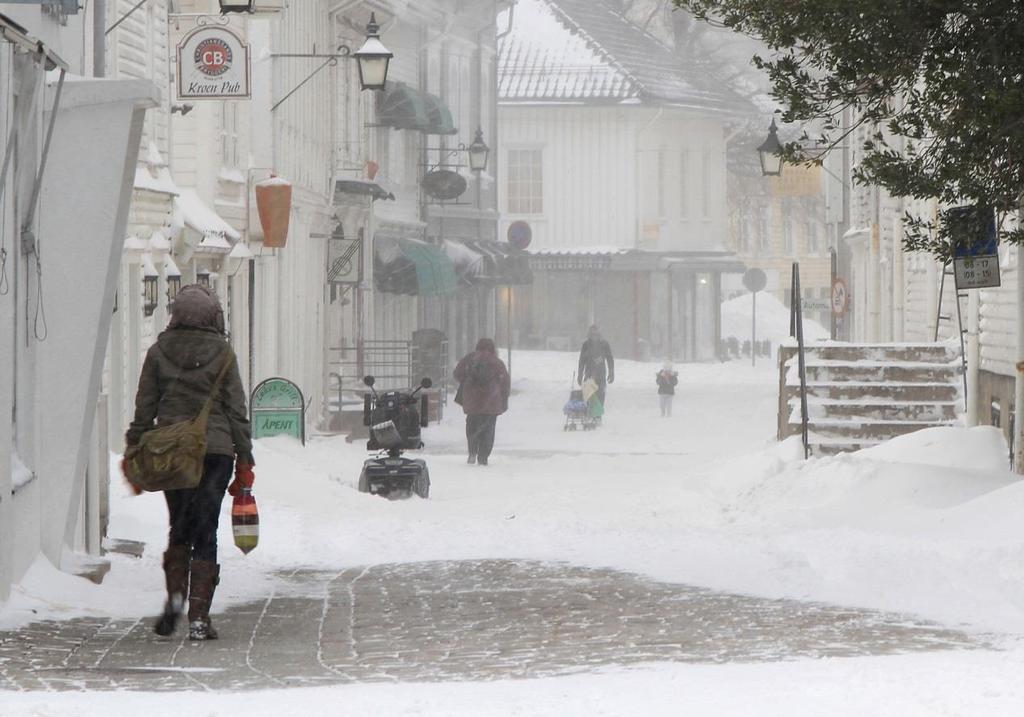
x=276 y=408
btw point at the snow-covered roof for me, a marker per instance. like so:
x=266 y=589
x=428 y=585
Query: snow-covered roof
x=580 y=251
x=155 y=181
x=148 y=267
x=159 y=242
x=587 y=50
x=170 y=268
x=199 y=217
x=240 y=250
x=214 y=243
x=134 y=243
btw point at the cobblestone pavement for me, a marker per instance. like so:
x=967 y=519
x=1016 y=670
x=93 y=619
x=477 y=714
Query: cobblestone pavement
x=469 y=620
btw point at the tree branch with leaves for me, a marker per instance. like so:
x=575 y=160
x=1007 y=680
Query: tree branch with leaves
x=938 y=85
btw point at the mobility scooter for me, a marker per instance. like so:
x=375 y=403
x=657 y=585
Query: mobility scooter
x=395 y=424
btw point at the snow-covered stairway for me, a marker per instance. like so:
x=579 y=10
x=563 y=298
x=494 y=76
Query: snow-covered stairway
x=860 y=395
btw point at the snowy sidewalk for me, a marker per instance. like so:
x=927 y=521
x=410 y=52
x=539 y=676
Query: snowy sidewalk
x=471 y=620
x=598 y=573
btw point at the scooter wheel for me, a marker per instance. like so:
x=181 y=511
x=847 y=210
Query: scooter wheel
x=421 y=484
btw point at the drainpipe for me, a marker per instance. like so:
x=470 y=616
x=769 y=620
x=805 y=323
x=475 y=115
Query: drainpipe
x=1018 y=392
x=99 y=38
x=973 y=355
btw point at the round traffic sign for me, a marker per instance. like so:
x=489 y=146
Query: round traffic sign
x=755 y=280
x=840 y=297
x=519 y=234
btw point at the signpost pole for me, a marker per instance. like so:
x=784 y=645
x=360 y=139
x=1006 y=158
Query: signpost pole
x=753 y=329
x=508 y=331
x=754 y=280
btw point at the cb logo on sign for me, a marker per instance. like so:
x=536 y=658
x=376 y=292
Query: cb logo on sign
x=213 y=57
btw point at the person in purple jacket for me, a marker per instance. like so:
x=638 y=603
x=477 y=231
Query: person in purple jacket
x=484 y=387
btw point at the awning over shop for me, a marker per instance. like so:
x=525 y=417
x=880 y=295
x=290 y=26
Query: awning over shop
x=406 y=266
x=611 y=259
x=361 y=187
x=405 y=107
x=575 y=258
x=505 y=265
x=200 y=218
x=488 y=263
x=440 y=116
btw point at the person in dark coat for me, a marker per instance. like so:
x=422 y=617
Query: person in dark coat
x=177 y=377
x=484 y=386
x=596 y=362
x=667 y=380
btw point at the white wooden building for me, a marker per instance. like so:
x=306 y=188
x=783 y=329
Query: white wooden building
x=613 y=151
x=60 y=247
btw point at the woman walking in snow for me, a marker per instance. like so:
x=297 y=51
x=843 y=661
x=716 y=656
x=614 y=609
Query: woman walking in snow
x=180 y=371
x=484 y=387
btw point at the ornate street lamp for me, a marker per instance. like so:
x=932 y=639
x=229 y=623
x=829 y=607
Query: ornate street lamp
x=227 y=6
x=770 y=153
x=373 y=58
x=173 y=287
x=478 y=153
x=149 y=293
x=173 y=277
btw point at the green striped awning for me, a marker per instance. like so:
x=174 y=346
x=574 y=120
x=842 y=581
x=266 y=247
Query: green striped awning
x=407 y=266
x=403 y=107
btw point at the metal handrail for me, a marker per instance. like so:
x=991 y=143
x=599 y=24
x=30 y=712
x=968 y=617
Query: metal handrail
x=796 y=328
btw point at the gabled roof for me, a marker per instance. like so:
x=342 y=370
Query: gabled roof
x=587 y=51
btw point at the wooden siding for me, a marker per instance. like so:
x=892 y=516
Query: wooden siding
x=601 y=181
x=999 y=319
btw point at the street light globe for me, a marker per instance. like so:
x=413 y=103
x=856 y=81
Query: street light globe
x=479 y=152
x=373 y=58
x=770 y=153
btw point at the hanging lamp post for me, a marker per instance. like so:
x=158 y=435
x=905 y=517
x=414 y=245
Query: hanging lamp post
x=478 y=152
x=770 y=153
x=373 y=58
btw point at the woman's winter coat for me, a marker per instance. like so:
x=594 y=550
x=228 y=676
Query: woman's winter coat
x=484 y=381
x=667 y=381
x=178 y=376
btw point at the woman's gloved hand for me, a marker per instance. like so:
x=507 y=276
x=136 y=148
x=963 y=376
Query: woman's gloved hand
x=124 y=473
x=244 y=477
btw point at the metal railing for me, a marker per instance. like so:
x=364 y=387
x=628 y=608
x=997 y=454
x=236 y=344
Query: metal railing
x=394 y=363
x=796 y=329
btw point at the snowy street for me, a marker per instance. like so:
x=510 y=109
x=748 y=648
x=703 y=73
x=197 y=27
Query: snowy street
x=650 y=563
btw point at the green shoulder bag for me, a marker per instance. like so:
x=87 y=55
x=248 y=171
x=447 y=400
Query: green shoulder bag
x=172 y=457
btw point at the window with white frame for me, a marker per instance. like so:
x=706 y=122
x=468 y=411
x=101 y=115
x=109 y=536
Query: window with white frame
x=706 y=174
x=229 y=134
x=743 y=235
x=684 y=184
x=525 y=181
x=661 y=183
x=787 y=230
x=765 y=227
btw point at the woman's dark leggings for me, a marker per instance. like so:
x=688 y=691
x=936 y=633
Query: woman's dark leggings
x=480 y=435
x=195 y=512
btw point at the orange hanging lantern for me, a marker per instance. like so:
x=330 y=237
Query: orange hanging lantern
x=274 y=204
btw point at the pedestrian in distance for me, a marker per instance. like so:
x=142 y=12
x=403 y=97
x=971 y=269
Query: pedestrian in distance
x=484 y=387
x=667 y=380
x=596 y=363
x=190 y=362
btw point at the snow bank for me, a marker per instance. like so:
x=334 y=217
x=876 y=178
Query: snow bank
x=927 y=524
x=772 y=320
